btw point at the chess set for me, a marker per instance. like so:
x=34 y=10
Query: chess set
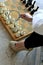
x=30 y=6
x=16 y=26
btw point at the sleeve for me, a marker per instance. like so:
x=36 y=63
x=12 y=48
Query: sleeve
x=34 y=40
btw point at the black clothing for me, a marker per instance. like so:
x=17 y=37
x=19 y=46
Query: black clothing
x=34 y=40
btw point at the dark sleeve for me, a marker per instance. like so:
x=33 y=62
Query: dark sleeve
x=34 y=40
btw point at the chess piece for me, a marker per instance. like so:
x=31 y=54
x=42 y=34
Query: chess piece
x=18 y=34
x=29 y=2
x=32 y=6
x=34 y=10
x=24 y=1
x=14 y=30
x=21 y=0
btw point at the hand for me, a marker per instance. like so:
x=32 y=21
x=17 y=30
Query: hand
x=26 y=17
x=17 y=46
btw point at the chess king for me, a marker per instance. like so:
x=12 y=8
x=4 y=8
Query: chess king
x=36 y=37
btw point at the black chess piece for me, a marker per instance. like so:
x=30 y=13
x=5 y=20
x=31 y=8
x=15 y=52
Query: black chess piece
x=29 y=9
x=29 y=2
x=32 y=6
x=34 y=10
x=21 y=0
x=24 y=1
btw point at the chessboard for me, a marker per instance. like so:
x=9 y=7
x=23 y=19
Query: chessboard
x=17 y=27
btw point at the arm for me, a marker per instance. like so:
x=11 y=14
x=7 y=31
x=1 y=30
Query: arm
x=34 y=40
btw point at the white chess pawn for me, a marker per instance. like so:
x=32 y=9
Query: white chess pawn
x=18 y=34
